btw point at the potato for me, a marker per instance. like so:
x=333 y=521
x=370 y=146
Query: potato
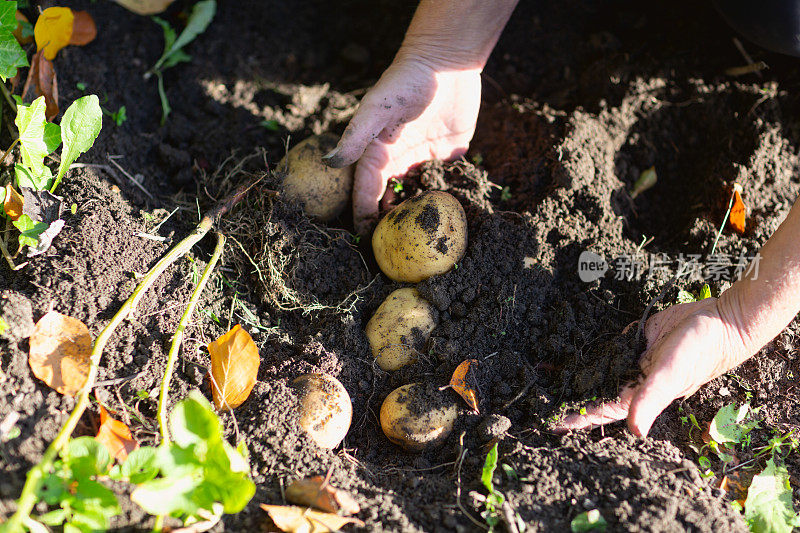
x=325 y=408
x=423 y=236
x=323 y=191
x=418 y=416
x=400 y=328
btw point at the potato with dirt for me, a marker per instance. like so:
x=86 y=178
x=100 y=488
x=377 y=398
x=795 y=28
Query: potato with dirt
x=418 y=416
x=400 y=328
x=325 y=408
x=422 y=237
x=323 y=191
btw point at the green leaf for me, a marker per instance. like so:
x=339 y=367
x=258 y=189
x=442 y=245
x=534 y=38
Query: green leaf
x=96 y=503
x=79 y=128
x=12 y=56
x=8 y=17
x=30 y=122
x=140 y=466
x=705 y=292
x=193 y=421
x=29 y=231
x=25 y=178
x=685 y=297
x=87 y=457
x=730 y=424
x=488 y=468
x=54 y=518
x=171 y=495
x=52 y=136
x=768 y=508
x=202 y=14
x=588 y=521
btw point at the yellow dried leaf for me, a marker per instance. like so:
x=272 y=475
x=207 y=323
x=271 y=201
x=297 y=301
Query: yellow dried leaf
x=316 y=492
x=145 y=7
x=234 y=368
x=304 y=520
x=60 y=350
x=459 y=384
x=53 y=30
x=12 y=204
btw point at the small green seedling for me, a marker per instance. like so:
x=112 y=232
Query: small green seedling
x=505 y=194
x=397 y=185
x=80 y=86
x=588 y=521
x=495 y=499
x=271 y=125
x=119 y=116
x=685 y=296
x=202 y=14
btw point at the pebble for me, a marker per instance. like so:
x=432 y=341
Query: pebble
x=493 y=427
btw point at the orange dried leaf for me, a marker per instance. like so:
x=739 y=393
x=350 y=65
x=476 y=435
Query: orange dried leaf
x=302 y=519
x=459 y=384
x=315 y=492
x=43 y=76
x=22 y=21
x=53 y=30
x=234 y=368
x=145 y=7
x=84 y=29
x=60 y=350
x=115 y=436
x=737 y=216
x=12 y=203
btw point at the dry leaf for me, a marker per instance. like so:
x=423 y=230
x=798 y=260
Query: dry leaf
x=737 y=216
x=145 y=7
x=60 y=349
x=304 y=520
x=84 y=29
x=53 y=30
x=315 y=492
x=43 y=76
x=234 y=367
x=13 y=202
x=115 y=436
x=22 y=20
x=459 y=384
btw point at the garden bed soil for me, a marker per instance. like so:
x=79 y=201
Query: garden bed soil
x=579 y=99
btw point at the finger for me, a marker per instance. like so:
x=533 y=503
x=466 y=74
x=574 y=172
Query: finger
x=369 y=186
x=368 y=122
x=598 y=415
x=663 y=385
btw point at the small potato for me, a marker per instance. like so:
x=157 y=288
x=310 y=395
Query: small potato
x=400 y=328
x=423 y=236
x=325 y=408
x=418 y=416
x=323 y=191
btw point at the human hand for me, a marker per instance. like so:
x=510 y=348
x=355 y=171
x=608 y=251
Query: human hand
x=688 y=345
x=414 y=113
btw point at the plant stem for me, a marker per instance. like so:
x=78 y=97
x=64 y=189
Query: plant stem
x=29 y=496
x=8 y=98
x=174 y=349
x=2 y=159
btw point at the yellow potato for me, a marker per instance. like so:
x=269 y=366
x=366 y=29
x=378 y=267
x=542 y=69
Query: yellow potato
x=323 y=191
x=423 y=236
x=400 y=328
x=418 y=417
x=325 y=408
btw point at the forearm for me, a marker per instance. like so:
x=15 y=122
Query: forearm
x=456 y=34
x=763 y=303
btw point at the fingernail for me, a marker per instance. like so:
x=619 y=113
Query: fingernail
x=331 y=154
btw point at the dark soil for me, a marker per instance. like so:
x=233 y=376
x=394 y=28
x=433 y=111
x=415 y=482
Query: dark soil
x=579 y=98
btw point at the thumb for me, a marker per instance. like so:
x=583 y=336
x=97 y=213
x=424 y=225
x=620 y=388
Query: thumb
x=368 y=122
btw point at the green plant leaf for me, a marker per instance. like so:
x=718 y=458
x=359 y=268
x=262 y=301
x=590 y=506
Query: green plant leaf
x=31 y=122
x=768 y=508
x=8 y=18
x=53 y=518
x=588 y=521
x=488 y=468
x=731 y=424
x=25 y=178
x=12 y=56
x=52 y=136
x=202 y=14
x=193 y=421
x=79 y=128
x=685 y=296
x=29 y=231
x=169 y=495
x=140 y=466
x=705 y=292
x=87 y=457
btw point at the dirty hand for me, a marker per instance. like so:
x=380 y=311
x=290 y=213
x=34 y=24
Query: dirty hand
x=688 y=345
x=414 y=113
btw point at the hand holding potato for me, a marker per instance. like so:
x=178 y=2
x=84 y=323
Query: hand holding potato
x=423 y=236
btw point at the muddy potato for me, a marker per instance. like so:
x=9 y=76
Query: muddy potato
x=417 y=416
x=423 y=236
x=400 y=328
x=323 y=191
x=325 y=408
